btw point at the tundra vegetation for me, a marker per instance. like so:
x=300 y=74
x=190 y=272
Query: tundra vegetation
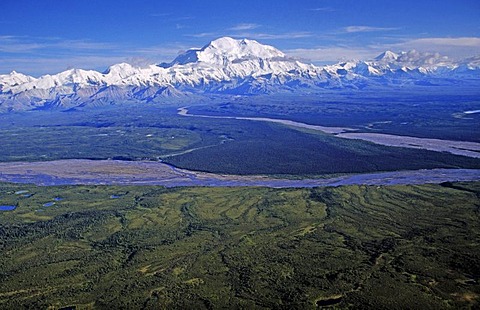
x=126 y=247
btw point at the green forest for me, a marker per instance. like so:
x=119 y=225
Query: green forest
x=150 y=247
x=225 y=146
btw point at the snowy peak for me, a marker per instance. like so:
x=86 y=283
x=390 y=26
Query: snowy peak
x=387 y=56
x=412 y=64
x=14 y=79
x=227 y=50
x=121 y=69
x=115 y=74
x=189 y=56
x=230 y=66
x=231 y=49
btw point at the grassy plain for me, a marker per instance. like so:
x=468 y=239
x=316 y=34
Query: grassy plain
x=369 y=247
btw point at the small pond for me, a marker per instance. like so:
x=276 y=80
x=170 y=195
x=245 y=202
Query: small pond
x=329 y=302
x=7 y=208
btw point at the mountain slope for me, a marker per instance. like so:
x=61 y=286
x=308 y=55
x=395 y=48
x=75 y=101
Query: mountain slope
x=225 y=66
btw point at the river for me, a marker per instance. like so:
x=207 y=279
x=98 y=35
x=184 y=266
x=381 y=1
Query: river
x=115 y=172
x=464 y=148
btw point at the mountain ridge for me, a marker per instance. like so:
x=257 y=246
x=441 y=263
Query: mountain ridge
x=230 y=67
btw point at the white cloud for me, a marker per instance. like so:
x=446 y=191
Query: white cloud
x=55 y=55
x=459 y=47
x=16 y=47
x=331 y=54
x=256 y=35
x=182 y=18
x=354 y=29
x=275 y=36
x=82 y=45
x=160 y=14
x=169 y=17
x=41 y=66
x=458 y=42
x=416 y=58
x=4 y=38
x=160 y=53
x=322 y=9
x=18 y=44
x=425 y=49
x=241 y=27
x=14 y=44
x=37 y=66
x=203 y=35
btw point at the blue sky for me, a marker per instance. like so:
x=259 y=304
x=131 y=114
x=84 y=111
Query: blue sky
x=47 y=36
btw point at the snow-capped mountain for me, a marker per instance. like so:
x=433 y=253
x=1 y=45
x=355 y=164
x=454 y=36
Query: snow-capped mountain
x=408 y=67
x=224 y=66
x=386 y=57
x=225 y=51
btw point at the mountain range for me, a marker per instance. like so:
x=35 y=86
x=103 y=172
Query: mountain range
x=228 y=66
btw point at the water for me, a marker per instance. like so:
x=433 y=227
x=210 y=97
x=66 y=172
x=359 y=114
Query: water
x=157 y=173
x=48 y=204
x=329 y=302
x=7 y=208
x=463 y=148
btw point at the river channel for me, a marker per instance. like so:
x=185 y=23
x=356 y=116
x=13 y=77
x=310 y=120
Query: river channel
x=464 y=148
x=114 y=172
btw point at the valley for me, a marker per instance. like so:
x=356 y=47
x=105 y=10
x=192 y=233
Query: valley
x=238 y=177
x=469 y=149
x=116 y=172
